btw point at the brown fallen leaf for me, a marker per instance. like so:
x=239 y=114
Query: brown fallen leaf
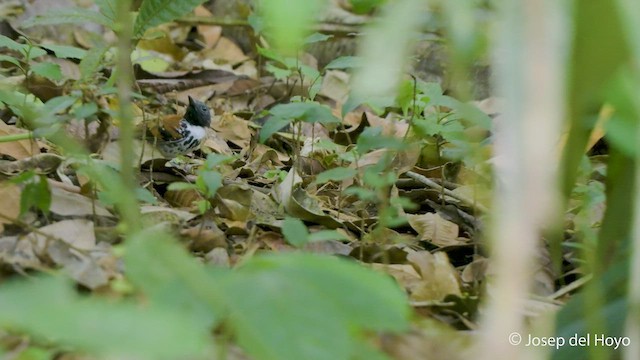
x=210 y=33
x=9 y=203
x=233 y=129
x=66 y=203
x=18 y=253
x=72 y=245
x=439 y=277
x=433 y=228
x=16 y=149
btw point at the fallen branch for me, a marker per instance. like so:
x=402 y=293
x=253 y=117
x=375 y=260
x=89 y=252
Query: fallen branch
x=434 y=185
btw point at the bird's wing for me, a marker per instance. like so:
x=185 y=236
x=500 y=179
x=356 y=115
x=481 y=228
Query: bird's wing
x=167 y=129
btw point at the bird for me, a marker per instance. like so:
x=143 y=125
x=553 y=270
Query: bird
x=174 y=135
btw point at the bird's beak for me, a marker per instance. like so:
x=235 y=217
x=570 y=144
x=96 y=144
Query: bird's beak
x=191 y=101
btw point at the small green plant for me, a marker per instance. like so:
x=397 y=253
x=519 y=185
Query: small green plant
x=207 y=183
x=35 y=193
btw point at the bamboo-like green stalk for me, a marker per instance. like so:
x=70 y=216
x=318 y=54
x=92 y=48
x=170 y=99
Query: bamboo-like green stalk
x=128 y=205
x=529 y=65
x=16 y=137
x=630 y=11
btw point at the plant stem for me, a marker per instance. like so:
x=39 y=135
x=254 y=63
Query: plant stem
x=128 y=205
x=16 y=137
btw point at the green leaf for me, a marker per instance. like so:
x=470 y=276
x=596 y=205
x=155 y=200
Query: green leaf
x=324 y=235
x=59 y=104
x=212 y=181
x=85 y=110
x=179 y=186
x=288 y=21
x=91 y=62
x=595 y=23
x=10 y=59
x=361 y=193
x=156 y=12
x=36 y=194
x=74 y=15
x=337 y=174
x=273 y=125
x=345 y=62
x=308 y=112
x=107 y=8
x=49 y=308
x=171 y=278
x=341 y=299
x=272 y=54
x=11 y=44
x=214 y=160
x=316 y=37
x=34 y=52
x=371 y=138
x=364 y=6
x=66 y=52
x=466 y=111
x=309 y=72
x=295 y=232
x=144 y=195
x=386 y=46
x=49 y=70
x=278 y=72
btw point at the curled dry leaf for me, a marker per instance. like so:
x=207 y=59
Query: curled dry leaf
x=265 y=210
x=433 y=228
x=216 y=143
x=153 y=215
x=205 y=238
x=475 y=271
x=182 y=198
x=234 y=202
x=40 y=163
x=439 y=277
x=233 y=129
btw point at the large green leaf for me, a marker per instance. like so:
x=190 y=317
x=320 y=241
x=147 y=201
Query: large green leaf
x=69 y=16
x=283 y=114
x=301 y=306
x=386 y=46
x=305 y=111
x=598 y=50
x=295 y=232
x=571 y=319
x=49 y=70
x=156 y=12
x=48 y=307
x=288 y=22
x=170 y=277
x=92 y=61
x=66 y=52
x=107 y=8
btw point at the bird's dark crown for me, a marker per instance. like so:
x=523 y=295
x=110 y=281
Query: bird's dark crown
x=197 y=113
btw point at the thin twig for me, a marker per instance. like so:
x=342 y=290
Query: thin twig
x=432 y=184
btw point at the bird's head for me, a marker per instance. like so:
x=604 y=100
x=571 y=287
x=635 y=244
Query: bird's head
x=197 y=113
